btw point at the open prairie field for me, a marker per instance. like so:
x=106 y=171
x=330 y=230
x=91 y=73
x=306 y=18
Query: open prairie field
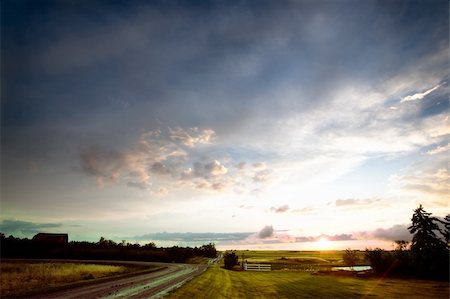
x=217 y=282
x=297 y=260
x=332 y=257
x=22 y=278
x=220 y=283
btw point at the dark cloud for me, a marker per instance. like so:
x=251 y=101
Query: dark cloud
x=248 y=46
x=160 y=168
x=266 y=232
x=305 y=239
x=394 y=233
x=254 y=48
x=102 y=164
x=206 y=170
x=341 y=237
x=25 y=228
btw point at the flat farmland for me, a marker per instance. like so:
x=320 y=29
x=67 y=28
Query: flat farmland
x=333 y=257
x=220 y=283
x=217 y=282
x=298 y=260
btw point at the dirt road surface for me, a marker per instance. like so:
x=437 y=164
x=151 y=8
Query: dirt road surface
x=150 y=285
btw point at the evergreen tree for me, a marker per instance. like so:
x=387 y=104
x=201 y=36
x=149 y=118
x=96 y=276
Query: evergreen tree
x=430 y=254
x=446 y=231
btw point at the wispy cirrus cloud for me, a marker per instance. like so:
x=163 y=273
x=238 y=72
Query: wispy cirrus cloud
x=439 y=149
x=432 y=185
x=355 y=202
x=305 y=211
x=420 y=95
x=427 y=180
x=192 y=237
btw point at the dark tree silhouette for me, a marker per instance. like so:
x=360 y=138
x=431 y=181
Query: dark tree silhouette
x=12 y=247
x=423 y=228
x=209 y=250
x=426 y=257
x=401 y=245
x=430 y=254
x=446 y=230
x=382 y=261
x=350 y=257
x=230 y=259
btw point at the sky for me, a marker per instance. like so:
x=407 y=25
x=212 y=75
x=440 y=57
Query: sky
x=250 y=124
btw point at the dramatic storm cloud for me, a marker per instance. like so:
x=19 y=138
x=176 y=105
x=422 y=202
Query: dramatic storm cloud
x=144 y=117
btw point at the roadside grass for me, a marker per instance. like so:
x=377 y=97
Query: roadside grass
x=217 y=282
x=20 y=279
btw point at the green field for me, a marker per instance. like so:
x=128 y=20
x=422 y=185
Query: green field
x=220 y=283
x=297 y=260
x=332 y=257
x=20 y=279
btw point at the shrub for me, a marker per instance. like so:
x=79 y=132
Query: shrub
x=350 y=257
x=230 y=259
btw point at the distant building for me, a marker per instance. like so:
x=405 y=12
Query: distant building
x=51 y=239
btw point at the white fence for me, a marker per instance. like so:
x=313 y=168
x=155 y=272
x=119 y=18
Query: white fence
x=257 y=267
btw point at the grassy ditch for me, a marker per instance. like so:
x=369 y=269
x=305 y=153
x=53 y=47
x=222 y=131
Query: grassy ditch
x=217 y=282
x=21 y=279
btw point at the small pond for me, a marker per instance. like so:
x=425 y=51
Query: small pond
x=354 y=268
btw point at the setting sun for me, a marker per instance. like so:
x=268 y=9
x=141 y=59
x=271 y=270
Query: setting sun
x=323 y=244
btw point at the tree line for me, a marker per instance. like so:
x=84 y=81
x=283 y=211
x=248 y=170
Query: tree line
x=12 y=247
x=427 y=256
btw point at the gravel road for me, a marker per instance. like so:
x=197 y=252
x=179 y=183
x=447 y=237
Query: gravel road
x=150 y=285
